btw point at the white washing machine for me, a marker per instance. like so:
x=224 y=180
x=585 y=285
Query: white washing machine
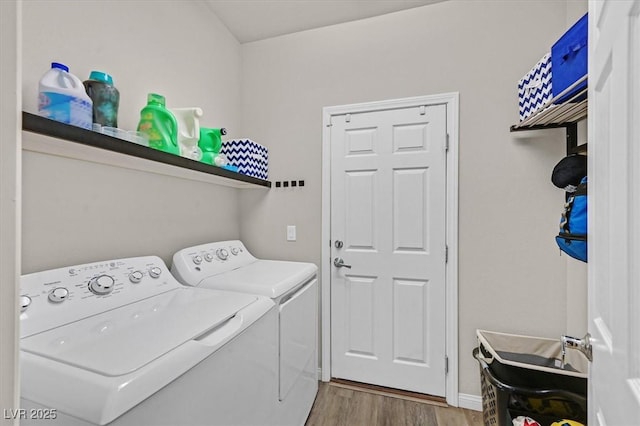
x=228 y=265
x=121 y=342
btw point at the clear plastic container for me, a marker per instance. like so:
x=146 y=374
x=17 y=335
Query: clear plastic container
x=138 y=137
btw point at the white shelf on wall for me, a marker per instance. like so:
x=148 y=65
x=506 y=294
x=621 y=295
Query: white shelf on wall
x=75 y=142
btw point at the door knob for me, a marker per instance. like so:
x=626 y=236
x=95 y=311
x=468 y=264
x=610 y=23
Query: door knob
x=339 y=263
x=583 y=345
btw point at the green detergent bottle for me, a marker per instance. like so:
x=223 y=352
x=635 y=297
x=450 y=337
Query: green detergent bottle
x=159 y=124
x=210 y=143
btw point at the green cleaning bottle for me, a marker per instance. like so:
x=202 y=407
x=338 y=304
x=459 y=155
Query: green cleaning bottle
x=210 y=143
x=159 y=124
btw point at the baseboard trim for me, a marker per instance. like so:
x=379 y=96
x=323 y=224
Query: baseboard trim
x=470 y=402
x=465 y=400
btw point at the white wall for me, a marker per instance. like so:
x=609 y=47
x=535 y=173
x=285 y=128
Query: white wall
x=76 y=211
x=10 y=164
x=511 y=277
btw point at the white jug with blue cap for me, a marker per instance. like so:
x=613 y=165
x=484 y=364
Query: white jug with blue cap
x=62 y=97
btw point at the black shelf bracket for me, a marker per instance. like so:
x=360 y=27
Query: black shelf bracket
x=571 y=134
x=572 y=139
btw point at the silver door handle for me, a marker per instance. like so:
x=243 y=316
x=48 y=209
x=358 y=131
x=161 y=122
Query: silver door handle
x=339 y=263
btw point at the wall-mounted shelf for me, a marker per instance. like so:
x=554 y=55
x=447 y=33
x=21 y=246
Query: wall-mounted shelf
x=44 y=126
x=566 y=114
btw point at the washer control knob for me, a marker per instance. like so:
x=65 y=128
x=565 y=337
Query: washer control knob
x=222 y=254
x=197 y=259
x=208 y=257
x=136 y=276
x=155 y=272
x=235 y=251
x=102 y=284
x=25 y=301
x=58 y=295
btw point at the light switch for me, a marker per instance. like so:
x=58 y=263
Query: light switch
x=291 y=232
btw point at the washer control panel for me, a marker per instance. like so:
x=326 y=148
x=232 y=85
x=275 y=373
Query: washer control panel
x=209 y=259
x=53 y=298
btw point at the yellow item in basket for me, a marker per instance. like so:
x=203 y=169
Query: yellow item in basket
x=567 y=423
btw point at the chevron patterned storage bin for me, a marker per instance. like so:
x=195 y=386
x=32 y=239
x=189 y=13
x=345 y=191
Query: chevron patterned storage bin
x=534 y=89
x=251 y=158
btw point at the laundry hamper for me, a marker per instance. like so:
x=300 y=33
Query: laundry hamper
x=522 y=376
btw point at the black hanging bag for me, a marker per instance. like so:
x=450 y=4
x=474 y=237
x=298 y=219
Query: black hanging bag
x=568 y=173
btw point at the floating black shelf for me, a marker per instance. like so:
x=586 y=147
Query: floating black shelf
x=560 y=115
x=44 y=126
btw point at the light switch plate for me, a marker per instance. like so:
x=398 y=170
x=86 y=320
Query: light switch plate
x=291 y=232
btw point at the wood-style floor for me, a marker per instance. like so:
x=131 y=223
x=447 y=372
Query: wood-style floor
x=338 y=406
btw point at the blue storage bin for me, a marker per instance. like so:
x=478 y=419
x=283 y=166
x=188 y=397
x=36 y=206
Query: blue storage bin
x=569 y=59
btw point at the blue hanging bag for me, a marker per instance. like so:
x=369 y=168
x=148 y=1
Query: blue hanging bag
x=572 y=238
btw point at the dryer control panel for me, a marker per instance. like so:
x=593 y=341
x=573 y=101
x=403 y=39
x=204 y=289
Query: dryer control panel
x=56 y=297
x=194 y=263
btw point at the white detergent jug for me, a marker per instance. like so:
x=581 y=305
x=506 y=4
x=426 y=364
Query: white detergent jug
x=188 y=131
x=62 y=97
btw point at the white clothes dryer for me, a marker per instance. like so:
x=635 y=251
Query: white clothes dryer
x=121 y=342
x=293 y=286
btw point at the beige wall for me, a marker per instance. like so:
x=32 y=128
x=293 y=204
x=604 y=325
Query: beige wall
x=511 y=277
x=9 y=204
x=76 y=211
x=575 y=10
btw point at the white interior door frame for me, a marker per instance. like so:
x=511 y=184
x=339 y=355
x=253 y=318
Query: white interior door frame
x=451 y=100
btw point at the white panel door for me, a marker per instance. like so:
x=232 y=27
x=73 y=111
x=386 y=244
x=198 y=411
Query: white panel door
x=614 y=212
x=388 y=206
